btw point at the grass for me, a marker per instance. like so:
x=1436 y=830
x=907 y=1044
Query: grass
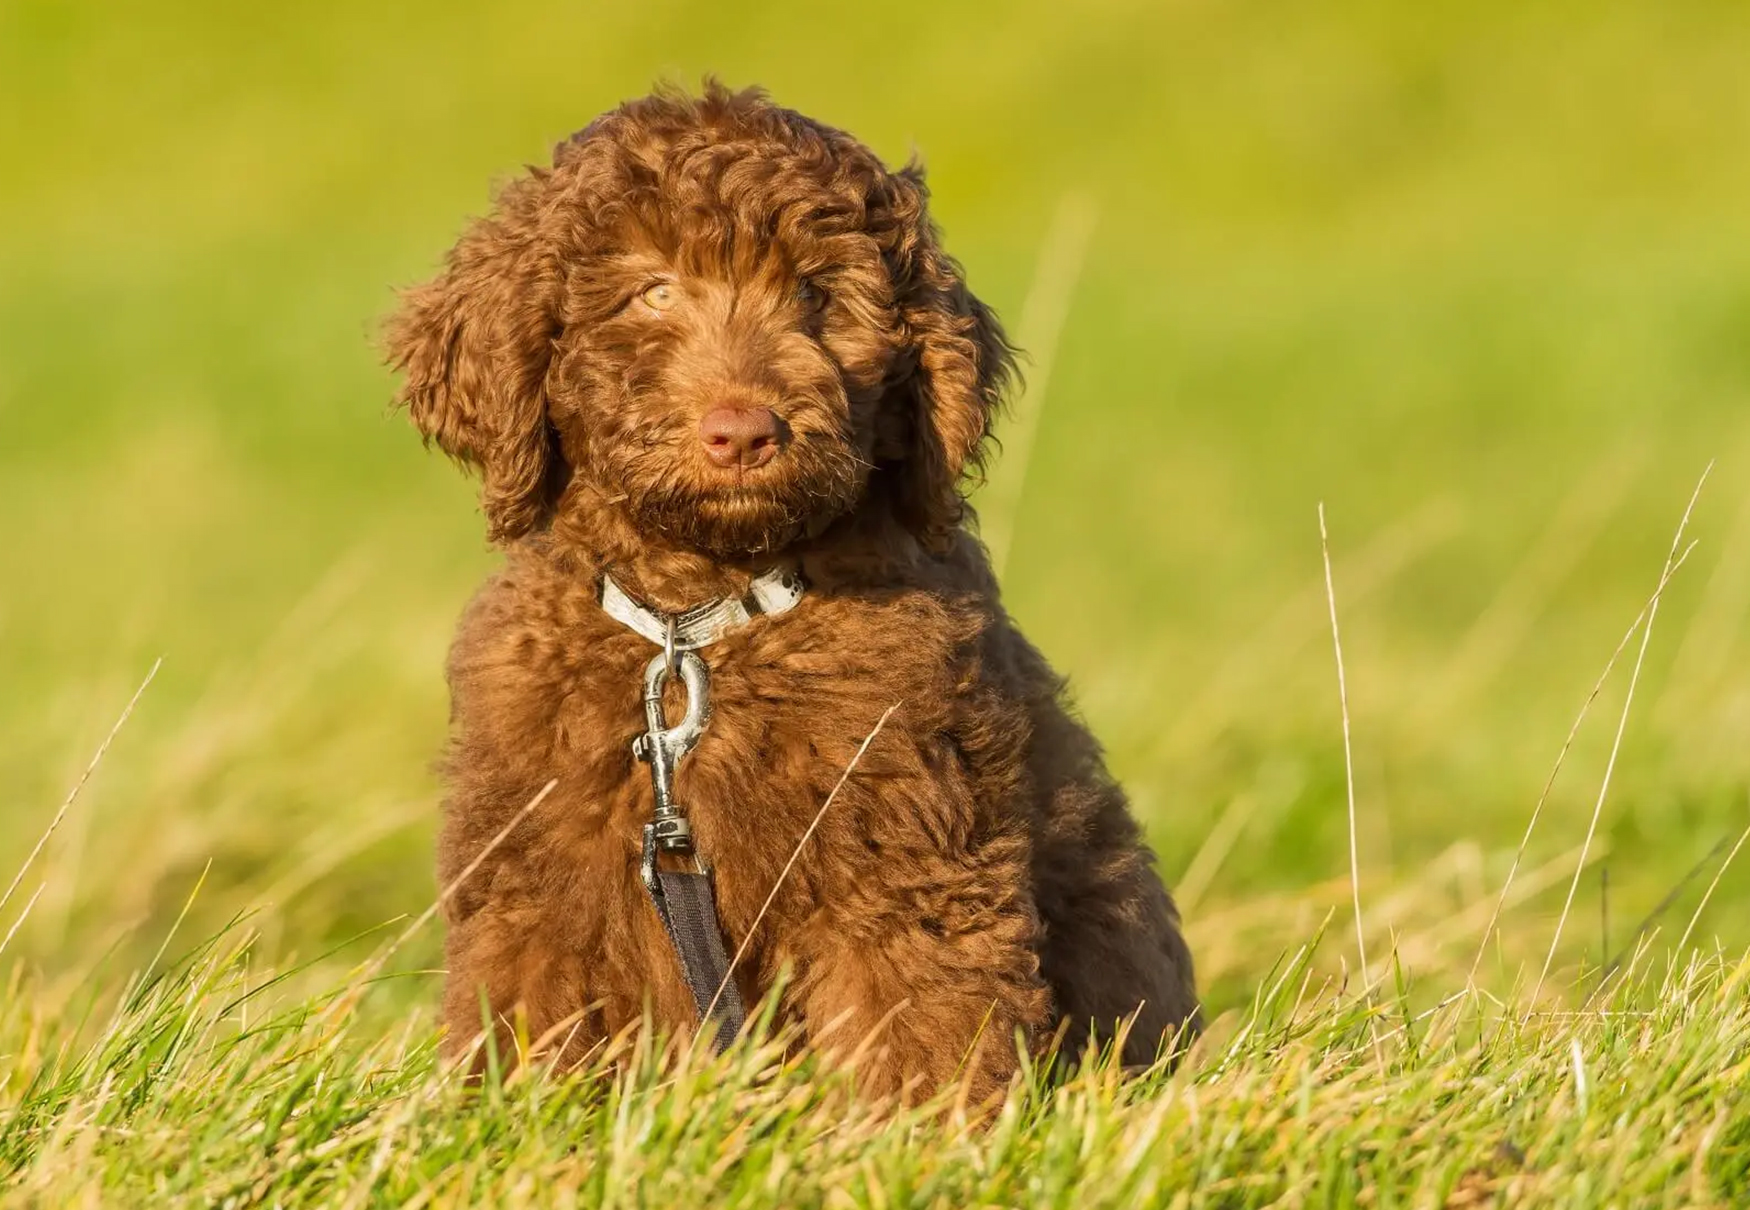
x=1475 y=277
x=193 y=1094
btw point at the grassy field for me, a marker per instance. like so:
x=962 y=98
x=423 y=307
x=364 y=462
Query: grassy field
x=1476 y=277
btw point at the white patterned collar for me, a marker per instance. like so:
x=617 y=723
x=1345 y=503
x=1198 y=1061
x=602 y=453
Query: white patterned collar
x=774 y=592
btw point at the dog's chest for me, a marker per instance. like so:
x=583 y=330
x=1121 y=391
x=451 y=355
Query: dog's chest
x=789 y=699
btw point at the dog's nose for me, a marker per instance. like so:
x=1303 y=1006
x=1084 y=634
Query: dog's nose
x=745 y=437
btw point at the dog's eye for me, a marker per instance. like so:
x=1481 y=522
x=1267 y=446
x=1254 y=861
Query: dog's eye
x=810 y=297
x=659 y=297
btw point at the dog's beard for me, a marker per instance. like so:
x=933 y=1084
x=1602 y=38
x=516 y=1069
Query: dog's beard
x=725 y=523
x=769 y=510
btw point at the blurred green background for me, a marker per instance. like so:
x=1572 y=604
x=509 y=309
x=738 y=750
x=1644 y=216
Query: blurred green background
x=1476 y=276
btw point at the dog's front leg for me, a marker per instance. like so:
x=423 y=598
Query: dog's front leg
x=921 y=971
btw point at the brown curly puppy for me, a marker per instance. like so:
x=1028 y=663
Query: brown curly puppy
x=715 y=336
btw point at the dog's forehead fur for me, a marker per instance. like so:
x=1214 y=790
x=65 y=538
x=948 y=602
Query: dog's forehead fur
x=734 y=187
x=680 y=144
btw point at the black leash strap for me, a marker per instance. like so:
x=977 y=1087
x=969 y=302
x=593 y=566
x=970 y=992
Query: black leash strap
x=684 y=901
x=689 y=914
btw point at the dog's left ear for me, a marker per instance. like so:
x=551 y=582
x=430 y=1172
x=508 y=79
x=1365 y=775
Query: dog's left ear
x=475 y=344
x=962 y=364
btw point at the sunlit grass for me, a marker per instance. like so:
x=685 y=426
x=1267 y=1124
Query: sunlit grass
x=205 y=1083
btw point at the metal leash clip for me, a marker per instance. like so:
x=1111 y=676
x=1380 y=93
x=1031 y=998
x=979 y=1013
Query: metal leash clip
x=662 y=747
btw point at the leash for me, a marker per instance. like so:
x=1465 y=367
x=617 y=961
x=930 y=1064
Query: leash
x=684 y=900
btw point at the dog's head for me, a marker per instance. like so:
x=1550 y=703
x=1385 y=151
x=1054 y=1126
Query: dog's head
x=729 y=320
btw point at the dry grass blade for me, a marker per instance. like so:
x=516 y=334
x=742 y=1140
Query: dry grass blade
x=1711 y=887
x=1614 y=963
x=1296 y=622
x=22 y=917
x=1704 y=656
x=1562 y=756
x=1672 y=558
x=73 y=794
x=741 y=950
x=1348 y=751
x=376 y=963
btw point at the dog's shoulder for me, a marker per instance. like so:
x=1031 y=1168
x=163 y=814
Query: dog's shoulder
x=532 y=635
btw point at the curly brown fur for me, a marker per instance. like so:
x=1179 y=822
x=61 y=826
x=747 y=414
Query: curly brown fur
x=979 y=876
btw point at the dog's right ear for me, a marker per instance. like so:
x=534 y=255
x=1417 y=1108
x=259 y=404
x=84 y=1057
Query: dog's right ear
x=962 y=367
x=474 y=345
